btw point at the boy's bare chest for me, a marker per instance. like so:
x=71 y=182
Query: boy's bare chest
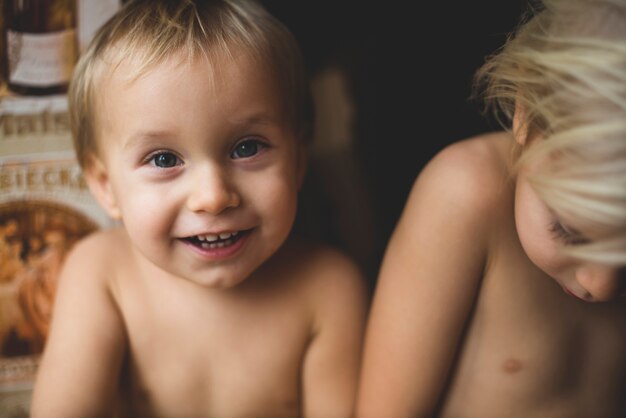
x=531 y=350
x=194 y=360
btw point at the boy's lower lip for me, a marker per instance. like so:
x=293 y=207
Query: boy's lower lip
x=220 y=253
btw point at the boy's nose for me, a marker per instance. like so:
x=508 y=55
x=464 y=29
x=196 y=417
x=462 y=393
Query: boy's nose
x=212 y=193
x=602 y=282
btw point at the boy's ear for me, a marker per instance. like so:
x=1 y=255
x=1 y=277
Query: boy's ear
x=97 y=179
x=520 y=126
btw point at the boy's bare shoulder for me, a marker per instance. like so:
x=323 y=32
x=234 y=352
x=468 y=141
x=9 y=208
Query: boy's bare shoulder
x=322 y=269
x=318 y=259
x=102 y=242
x=332 y=288
x=474 y=171
x=96 y=251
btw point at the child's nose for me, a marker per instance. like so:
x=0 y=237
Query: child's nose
x=602 y=282
x=212 y=192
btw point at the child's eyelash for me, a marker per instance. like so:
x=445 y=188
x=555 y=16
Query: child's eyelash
x=565 y=235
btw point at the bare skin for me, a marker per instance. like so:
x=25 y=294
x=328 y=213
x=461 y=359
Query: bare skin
x=281 y=344
x=463 y=324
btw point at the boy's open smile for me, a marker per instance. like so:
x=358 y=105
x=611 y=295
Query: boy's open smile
x=213 y=240
x=217 y=245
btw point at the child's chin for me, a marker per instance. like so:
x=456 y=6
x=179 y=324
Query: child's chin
x=218 y=282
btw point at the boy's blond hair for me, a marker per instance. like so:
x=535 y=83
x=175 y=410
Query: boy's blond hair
x=566 y=68
x=152 y=32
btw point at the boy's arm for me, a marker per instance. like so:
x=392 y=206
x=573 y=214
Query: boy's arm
x=331 y=365
x=79 y=372
x=426 y=288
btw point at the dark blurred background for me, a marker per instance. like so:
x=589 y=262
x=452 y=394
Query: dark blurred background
x=409 y=68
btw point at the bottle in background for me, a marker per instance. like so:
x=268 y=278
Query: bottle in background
x=41 y=45
x=2 y=48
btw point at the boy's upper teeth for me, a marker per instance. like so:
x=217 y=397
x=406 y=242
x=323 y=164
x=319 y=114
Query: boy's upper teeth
x=215 y=237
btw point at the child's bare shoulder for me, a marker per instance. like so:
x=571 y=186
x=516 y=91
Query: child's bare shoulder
x=324 y=270
x=320 y=261
x=100 y=251
x=473 y=161
x=473 y=172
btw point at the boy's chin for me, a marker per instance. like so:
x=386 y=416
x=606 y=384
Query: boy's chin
x=210 y=278
x=216 y=281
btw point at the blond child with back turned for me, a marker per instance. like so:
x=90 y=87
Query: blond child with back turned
x=501 y=293
x=190 y=122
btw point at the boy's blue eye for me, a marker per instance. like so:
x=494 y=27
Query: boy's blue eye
x=246 y=149
x=165 y=160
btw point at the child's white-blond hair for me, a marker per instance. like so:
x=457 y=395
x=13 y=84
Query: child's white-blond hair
x=565 y=67
x=151 y=32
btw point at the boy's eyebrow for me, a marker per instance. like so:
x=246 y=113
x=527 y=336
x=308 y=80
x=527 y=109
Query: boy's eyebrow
x=146 y=136
x=151 y=135
x=255 y=119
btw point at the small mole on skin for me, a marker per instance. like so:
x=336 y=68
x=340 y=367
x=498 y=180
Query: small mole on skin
x=512 y=365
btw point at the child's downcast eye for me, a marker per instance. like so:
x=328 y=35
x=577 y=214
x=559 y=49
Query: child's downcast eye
x=165 y=160
x=567 y=235
x=246 y=149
